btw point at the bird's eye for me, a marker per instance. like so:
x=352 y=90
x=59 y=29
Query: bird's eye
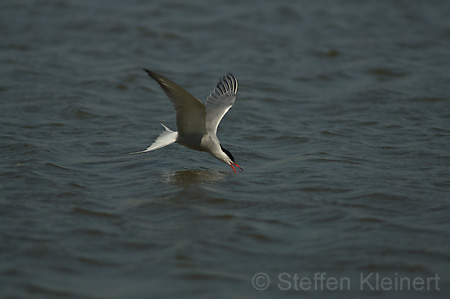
x=228 y=153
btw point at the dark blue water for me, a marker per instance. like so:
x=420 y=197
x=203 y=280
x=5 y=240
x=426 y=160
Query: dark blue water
x=342 y=126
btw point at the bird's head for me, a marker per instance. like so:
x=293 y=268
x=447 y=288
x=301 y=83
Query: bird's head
x=230 y=160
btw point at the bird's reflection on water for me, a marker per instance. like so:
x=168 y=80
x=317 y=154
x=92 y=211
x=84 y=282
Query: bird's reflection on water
x=189 y=177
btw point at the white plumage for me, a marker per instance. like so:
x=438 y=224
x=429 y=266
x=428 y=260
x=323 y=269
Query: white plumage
x=197 y=124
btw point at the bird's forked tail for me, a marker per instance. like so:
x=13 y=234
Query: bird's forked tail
x=164 y=139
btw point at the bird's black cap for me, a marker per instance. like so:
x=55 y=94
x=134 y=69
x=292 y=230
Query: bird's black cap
x=227 y=152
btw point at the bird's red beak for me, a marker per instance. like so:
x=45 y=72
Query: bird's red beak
x=232 y=163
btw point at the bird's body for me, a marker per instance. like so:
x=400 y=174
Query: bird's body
x=197 y=123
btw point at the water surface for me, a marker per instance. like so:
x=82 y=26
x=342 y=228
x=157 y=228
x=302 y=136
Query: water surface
x=341 y=125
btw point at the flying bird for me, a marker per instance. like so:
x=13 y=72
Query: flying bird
x=197 y=123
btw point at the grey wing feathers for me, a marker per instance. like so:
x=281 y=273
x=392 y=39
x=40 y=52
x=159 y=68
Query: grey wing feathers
x=191 y=113
x=227 y=85
x=220 y=101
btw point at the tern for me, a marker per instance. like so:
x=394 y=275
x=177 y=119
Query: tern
x=197 y=123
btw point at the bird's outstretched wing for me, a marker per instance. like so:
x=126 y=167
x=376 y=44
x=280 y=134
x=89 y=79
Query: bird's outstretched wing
x=220 y=101
x=191 y=113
